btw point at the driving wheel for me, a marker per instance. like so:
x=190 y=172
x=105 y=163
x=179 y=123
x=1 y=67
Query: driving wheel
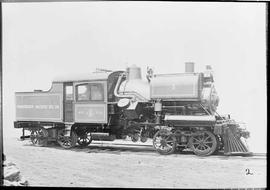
x=164 y=141
x=204 y=143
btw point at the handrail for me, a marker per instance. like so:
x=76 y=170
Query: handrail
x=117 y=87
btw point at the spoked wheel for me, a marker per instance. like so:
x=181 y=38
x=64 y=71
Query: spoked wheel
x=39 y=137
x=85 y=140
x=67 y=142
x=204 y=143
x=164 y=142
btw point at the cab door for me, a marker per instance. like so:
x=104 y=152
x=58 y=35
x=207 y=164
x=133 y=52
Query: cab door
x=68 y=102
x=91 y=102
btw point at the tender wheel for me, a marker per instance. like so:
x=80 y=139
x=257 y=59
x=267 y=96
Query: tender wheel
x=39 y=137
x=164 y=142
x=203 y=143
x=85 y=139
x=67 y=142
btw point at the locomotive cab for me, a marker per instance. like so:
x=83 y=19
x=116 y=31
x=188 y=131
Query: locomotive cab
x=74 y=107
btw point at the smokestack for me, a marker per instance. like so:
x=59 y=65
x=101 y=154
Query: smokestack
x=134 y=72
x=189 y=67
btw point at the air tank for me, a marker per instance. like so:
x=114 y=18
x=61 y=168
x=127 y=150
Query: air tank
x=134 y=84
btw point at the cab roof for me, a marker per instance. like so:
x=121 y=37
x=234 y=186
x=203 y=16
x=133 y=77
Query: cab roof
x=83 y=77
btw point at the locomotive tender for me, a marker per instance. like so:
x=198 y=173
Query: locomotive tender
x=177 y=111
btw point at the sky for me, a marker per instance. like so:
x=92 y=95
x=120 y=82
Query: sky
x=44 y=40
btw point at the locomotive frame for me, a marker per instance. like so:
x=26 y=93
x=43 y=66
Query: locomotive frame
x=107 y=105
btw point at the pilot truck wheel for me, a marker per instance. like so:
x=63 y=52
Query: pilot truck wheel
x=164 y=142
x=204 y=143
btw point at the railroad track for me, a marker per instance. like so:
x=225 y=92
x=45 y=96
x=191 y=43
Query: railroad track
x=143 y=149
x=128 y=147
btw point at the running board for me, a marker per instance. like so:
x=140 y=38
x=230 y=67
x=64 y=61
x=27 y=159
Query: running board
x=190 y=118
x=103 y=136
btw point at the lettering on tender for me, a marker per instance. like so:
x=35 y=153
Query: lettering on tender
x=25 y=106
x=52 y=107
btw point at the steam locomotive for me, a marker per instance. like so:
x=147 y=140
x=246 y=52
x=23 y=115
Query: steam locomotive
x=177 y=111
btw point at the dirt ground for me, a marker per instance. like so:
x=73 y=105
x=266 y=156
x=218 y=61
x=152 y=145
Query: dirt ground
x=126 y=164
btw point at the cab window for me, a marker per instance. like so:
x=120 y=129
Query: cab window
x=69 y=93
x=90 y=92
x=83 y=92
x=97 y=92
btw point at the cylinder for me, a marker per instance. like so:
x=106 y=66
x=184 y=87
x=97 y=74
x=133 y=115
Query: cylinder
x=189 y=67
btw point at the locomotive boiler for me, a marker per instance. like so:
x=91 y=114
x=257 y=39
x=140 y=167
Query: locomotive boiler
x=177 y=111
